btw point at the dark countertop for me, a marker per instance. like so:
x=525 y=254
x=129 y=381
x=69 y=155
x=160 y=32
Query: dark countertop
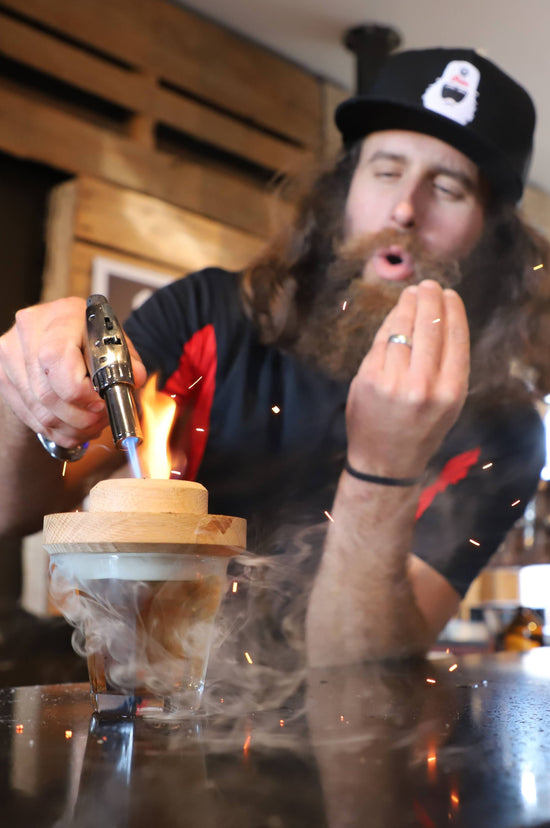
x=371 y=746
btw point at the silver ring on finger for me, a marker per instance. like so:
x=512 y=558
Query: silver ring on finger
x=400 y=339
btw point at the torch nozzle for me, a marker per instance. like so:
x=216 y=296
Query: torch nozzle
x=122 y=411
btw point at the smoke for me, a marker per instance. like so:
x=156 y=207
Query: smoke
x=258 y=666
x=258 y=659
x=151 y=624
x=144 y=621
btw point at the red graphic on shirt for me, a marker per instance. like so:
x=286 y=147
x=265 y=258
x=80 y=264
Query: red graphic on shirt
x=192 y=385
x=454 y=470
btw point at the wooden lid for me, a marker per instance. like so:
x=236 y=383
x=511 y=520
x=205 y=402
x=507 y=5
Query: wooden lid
x=144 y=495
x=127 y=515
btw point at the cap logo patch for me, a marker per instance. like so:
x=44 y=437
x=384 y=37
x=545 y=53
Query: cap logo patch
x=454 y=94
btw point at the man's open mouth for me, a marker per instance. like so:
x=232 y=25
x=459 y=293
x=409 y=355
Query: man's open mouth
x=393 y=263
x=394 y=258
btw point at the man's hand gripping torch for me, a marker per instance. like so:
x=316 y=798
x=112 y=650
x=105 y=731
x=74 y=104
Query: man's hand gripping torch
x=110 y=368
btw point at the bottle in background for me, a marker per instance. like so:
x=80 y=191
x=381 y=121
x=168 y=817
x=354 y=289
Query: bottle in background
x=524 y=632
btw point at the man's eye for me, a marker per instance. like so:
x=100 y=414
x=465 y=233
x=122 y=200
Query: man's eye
x=449 y=190
x=386 y=174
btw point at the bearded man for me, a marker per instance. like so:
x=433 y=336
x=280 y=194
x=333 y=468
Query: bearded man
x=333 y=376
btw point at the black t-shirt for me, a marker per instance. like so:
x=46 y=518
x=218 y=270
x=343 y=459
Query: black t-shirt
x=265 y=433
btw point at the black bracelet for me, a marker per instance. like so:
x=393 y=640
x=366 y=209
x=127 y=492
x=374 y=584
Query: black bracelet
x=382 y=481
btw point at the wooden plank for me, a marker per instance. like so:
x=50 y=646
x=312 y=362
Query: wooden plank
x=218 y=129
x=81 y=258
x=68 y=265
x=194 y=54
x=237 y=75
x=121 y=28
x=138 y=224
x=89 y=218
x=60 y=223
x=72 y=65
x=137 y=92
x=31 y=129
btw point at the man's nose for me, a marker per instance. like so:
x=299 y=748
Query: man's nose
x=405 y=213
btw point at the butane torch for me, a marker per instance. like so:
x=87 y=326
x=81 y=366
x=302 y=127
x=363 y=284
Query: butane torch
x=110 y=368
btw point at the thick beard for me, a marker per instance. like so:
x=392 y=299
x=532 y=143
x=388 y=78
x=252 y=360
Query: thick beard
x=348 y=311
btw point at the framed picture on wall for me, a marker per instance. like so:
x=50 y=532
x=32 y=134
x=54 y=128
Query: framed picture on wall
x=126 y=286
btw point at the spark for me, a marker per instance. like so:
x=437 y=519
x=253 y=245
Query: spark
x=341 y=718
x=487 y=466
x=281 y=722
x=174 y=471
x=68 y=734
x=221 y=700
x=455 y=798
x=19 y=728
x=431 y=761
x=452 y=668
x=275 y=409
x=344 y=306
x=235 y=586
x=64 y=469
x=430 y=681
x=247 y=743
x=474 y=542
x=436 y=320
x=199 y=429
x=247 y=656
x=515 y=503
x=194 y=383
x=329 y=516
x=538 y=267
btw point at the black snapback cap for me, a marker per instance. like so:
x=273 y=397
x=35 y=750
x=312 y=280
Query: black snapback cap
x=455 y=95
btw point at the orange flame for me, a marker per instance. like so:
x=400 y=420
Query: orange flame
x=158 y=411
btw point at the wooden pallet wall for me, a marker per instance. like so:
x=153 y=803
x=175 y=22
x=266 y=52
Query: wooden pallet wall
x=90 y=218
x=152 y=97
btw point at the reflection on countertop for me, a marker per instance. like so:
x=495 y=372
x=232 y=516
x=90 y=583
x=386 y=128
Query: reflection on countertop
x=453 y=740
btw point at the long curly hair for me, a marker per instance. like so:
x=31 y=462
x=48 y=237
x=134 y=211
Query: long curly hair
x=499 y=286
